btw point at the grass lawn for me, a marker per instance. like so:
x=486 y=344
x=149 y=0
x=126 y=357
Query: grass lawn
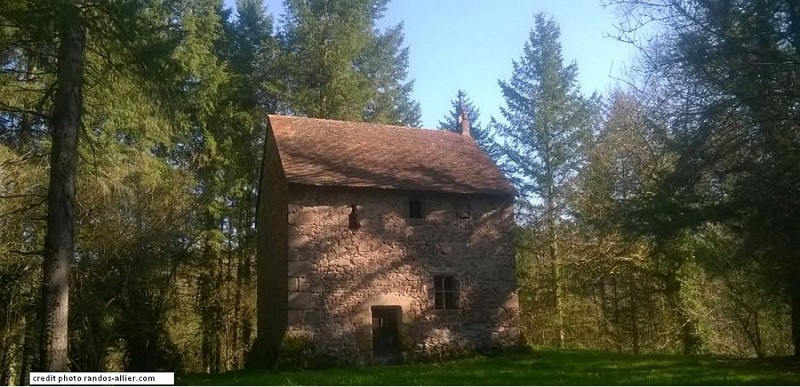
x=538 y=367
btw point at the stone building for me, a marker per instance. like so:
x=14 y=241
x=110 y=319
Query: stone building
x=400 y=240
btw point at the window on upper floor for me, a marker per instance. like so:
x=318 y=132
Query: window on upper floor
x=354 y=223
x=415 y=209
x=445 y=292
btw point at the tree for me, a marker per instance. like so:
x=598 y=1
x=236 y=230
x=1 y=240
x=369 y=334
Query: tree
x=548 y=124
x=338 y=65
x=616 y=263
x=251 y=51
x=27 y=71
x=732 y=65
x=123 y=299
x=21 y=217
x=385 y=63
x=59 y=239
x=451 y=121
x=95 y=42
x=228 y=177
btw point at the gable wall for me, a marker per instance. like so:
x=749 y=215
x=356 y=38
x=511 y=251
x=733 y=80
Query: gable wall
x=337 y=274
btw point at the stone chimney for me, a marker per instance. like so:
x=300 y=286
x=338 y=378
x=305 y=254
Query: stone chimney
x=463 y=119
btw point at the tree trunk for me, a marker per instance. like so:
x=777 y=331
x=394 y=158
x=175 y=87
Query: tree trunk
x=555 y=258
x=635 y=330
x=5 y=374
x=687 y=327
x=58 y=244
x=237 y=313
x=559 y=290
x=795 y=305
x=604 y=319
x=28 y=348
x=617 y=318
x=247 y=274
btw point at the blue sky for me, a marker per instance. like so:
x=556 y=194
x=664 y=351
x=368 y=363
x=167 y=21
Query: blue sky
x=469 y=45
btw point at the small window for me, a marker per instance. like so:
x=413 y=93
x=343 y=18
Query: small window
x=415 y=209
x=354 y=224
x=445 y=292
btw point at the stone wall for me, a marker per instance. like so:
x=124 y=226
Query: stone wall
x=271 y=253
x=336 y=274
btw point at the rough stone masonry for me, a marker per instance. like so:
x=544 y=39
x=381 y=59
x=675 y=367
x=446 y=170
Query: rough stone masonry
x=341 y=265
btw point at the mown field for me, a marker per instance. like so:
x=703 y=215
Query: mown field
x=537 y=367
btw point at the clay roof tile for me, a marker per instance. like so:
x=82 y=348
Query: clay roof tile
x=357 y=154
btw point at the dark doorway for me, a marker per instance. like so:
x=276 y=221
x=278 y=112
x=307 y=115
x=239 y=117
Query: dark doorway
x=386 y=334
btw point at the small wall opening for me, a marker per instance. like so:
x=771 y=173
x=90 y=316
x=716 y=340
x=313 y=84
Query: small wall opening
x=415 y=209
x=354 y=223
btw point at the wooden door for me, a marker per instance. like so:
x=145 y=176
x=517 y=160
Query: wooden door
x=386 y=334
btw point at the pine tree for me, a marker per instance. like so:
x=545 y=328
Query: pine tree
x=229 y=177
x=385 y=63
x=548 y=123
x=337 y=64
x=252 y=54
x=451 y=121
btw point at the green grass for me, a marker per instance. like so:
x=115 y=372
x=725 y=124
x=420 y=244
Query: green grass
x=539 y=367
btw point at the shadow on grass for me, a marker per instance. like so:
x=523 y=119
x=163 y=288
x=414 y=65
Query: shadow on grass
x=541 y=367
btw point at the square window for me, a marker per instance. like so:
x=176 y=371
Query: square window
x=445 y=292
x=415 y=209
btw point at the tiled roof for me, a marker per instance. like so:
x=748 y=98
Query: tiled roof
x=356 y=154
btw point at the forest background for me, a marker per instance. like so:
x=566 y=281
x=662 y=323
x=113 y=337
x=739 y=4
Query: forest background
x=659 y=217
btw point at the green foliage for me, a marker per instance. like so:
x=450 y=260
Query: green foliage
x=252 y=51
x=729 y=68
x=21 y=233
x=338 y=65
x=385 y=64
x=139 y=209
x=297 y=353
x=740 y=310
x=617 y=269
x=548 y=124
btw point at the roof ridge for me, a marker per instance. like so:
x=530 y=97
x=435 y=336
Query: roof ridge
x=366 y=123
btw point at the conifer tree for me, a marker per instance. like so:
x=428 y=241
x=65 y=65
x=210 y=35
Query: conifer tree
x=337 y=64
x=385 y=63
x=229 y=178
x=253 y=51
x=548 y=121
